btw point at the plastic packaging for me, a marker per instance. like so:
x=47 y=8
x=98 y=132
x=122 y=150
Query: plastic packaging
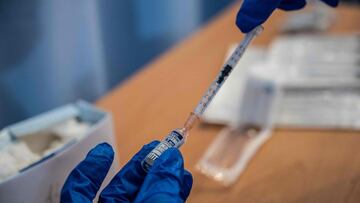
x=317 y=18
x=320 y=79
x=319 y=76
x=229 y=154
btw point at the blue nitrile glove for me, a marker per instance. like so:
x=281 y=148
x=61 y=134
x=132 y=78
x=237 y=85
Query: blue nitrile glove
x=166 y=181
x=255 y=12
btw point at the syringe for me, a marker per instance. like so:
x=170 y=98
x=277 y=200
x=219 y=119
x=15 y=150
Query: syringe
x=177 y=137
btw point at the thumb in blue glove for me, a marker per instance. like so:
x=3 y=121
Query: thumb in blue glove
x=167 y=181
x=255 y=12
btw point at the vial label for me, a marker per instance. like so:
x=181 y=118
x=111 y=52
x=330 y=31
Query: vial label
x=174 y=139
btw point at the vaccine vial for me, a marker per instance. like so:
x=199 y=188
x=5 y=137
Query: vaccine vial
x=175 y=138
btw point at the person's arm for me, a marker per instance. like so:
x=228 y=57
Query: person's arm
x=255 y=12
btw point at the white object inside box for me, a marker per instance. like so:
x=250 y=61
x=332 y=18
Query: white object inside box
x=15 y=157
x=30 y=148
x=22 y=146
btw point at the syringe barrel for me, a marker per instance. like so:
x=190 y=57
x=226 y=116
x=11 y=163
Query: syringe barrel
x=175 y=139
x=226 y=70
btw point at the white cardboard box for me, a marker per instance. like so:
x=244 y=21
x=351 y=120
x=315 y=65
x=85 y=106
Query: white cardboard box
x=43 y=180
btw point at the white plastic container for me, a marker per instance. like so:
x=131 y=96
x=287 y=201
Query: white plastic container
x=42 y=181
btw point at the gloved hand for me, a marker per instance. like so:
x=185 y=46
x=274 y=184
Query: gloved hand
x=255 y=12
x=166 y=181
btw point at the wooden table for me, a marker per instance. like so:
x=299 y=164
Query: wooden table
x=294 y=166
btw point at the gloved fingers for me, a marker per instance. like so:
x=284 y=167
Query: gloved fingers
x=187 y=185
x=85 y=180
x=127 y=182
x=289 y=5
x=333 y=3
x=255 y=12
x=166 y=180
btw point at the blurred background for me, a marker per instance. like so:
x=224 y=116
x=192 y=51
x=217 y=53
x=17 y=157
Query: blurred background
x=54 y=52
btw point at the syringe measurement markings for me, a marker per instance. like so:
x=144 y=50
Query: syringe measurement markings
x=170 y=140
